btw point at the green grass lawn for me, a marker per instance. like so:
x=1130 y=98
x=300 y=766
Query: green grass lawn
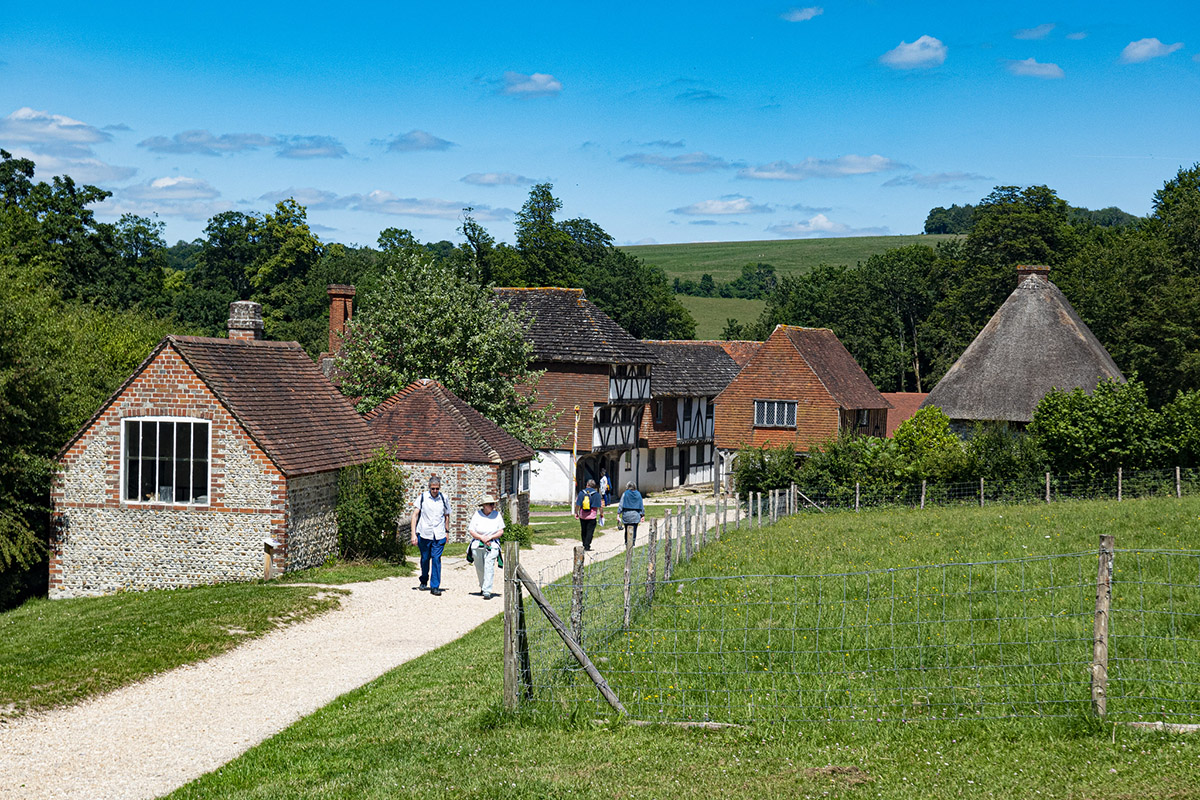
x=724 y=260
x=432 y=728
x=57 y=652
x=711 y=313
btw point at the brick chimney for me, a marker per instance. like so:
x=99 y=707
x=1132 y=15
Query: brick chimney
x=341 y=307
x=245 y=320
x=1025 y=270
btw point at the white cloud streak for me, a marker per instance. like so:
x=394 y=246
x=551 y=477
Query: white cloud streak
x=934 y=180
x=1030 y=68
x=497 y=179
x=801 y=14
x=841 y=167
x=1036 y=32
x=414 y=141
x=1146 y=49
x=537 y=84
x=821 y=226
x=725 y=206
x=686 y=164
x=924 y=52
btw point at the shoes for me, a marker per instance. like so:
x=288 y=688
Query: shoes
x=587 y=549
x=436 y=592
x=488 y=595
x=422 y=588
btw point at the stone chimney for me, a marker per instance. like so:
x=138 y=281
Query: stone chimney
x=341 y=307
x=245 y=320
x=1025 y=270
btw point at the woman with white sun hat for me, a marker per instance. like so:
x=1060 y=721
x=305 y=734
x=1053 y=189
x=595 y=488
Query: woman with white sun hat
x=486 y=528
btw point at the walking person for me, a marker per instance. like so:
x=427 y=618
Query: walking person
x=605 y=488
x=430 y=529
x=632 y=511
x=486 y=528
x=587 y=508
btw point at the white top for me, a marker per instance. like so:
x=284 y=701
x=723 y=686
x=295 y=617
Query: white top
x=486 y=525
x=431 y=524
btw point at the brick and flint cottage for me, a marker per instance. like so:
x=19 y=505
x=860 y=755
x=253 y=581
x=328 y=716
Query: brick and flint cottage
x=593 y=364
x=212 y=451
x=677 y=433
x=801 y=387
x=1034 y=342
x=430 y=430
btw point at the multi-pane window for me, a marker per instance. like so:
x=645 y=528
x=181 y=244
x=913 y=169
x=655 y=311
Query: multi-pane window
x=524 y=476
x=774 y=413
x=165 y=461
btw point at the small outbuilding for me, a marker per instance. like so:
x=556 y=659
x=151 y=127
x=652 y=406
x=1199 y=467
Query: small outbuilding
x=430 y=430
x=1035 y=342
x=212 y=452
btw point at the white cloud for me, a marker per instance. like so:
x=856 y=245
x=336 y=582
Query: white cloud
x=935 y=180
x=309 y=147
x=820 y=168
x=496 y=179
x=382 y=202
x=171 y=188
x=44 y=132
x=924 y=52
x=82 y=170
x=308 y=197
x=1030 y=68
x=802 y=14
x=822 y=226
x=1037 y=32
x=1146 y=49
x=1077 y=35
x=414 y=141
x=729 y=204
x=539 y=84
x=686 y=164
x=205 y=143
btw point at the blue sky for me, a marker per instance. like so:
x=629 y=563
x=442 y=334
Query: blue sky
x=660 y=122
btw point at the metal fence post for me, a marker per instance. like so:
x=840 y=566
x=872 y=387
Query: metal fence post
x=576 y=615
x=512 y=593
x=1100 y=628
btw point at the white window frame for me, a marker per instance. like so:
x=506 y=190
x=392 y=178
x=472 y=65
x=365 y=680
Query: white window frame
x=775 y=413
x=122 y=488
x=524 y=485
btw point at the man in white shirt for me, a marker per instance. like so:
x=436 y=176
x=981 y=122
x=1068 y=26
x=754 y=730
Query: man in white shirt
x=430 y=529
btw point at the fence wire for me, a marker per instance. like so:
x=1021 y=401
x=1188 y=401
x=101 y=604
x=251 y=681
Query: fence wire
x=987 y=640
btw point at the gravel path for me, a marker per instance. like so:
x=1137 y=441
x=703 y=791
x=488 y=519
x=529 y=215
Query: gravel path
x=148 y=739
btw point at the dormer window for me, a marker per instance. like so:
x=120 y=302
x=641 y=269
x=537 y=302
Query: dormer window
x=165 y=460
x=774 y=413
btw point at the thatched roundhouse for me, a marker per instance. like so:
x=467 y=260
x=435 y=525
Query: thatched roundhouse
x=1034 y=343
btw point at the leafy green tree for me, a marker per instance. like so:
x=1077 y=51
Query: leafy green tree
x=997 y=452
x=760 y=469
x=370 y=505
x=1181 y=420
x=931 y=450
x=707 y=286
x=1177 y=211
x=426 y=321
x=955 y=219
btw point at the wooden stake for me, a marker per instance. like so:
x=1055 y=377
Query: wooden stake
x=1119 y=476
x=981 y=492
x=1178 y=487
x=577 y=595
x=565 y=635
x=628 y=577
x=737 y=505
x=1100 y=628
x=922 y=493
x=668 y=566
x=1047 y=487
x=512 y=590
x=856 y=489
x=652 y=561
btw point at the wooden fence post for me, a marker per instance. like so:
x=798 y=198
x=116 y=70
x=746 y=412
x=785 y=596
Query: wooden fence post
x=1100 y=629
x=1119 y=487
x=652 y=561
x=703 y=509
x=795 y=501
x=687 y=532
x=759 y=499
x=512 y=592
x=981 y=492
x=737 y=505
x=856 y=487
x=1047 y=487
x=628 y=595
x=922 y=493
x=576 y=615
x=668 y=563
x=1178 y=487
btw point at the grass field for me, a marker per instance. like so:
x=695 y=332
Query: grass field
x=724 y=260
x=432 y=729
x=711 y=313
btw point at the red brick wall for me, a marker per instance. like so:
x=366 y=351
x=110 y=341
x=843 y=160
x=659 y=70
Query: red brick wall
x=777 y=372
x=167 y=388
x=562 y=387
x=659 y=434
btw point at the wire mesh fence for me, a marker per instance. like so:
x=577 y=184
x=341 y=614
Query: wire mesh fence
x=999 y=639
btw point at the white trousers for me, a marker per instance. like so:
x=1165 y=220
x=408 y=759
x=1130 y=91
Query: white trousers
x=485 y=563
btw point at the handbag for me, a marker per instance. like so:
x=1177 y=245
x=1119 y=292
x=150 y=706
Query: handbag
x=470 y=555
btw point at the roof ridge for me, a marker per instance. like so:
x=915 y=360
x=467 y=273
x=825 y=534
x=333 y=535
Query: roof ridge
x=442 y=397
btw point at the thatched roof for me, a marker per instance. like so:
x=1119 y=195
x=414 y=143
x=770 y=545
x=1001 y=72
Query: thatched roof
x=1034 y=343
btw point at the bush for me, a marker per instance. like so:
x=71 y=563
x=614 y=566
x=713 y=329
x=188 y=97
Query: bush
x=370 y=503
x=515 y=531
x=760 y=469
x=928 y=448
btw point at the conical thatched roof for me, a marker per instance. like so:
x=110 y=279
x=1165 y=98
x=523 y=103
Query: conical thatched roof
x=1034 y=343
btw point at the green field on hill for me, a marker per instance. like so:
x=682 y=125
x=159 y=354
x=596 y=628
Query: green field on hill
x=711 y=313
x=724 y=260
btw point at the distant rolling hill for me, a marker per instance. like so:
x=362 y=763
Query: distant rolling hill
x=724 y=260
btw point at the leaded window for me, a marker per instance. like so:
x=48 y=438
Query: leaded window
x=774 y=414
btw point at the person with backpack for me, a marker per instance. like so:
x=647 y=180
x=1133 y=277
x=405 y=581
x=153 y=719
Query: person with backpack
x=587 y=506
x=430 y=530
x=632 y=511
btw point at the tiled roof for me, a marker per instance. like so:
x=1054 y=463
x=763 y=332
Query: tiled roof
x=904 y=405
x=740 y=350
x=568 y=327
x=690 y=369
x=425 y=421
x=282 y=400
x=835 y=367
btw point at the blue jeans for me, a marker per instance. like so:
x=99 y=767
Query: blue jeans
x=431 y=551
